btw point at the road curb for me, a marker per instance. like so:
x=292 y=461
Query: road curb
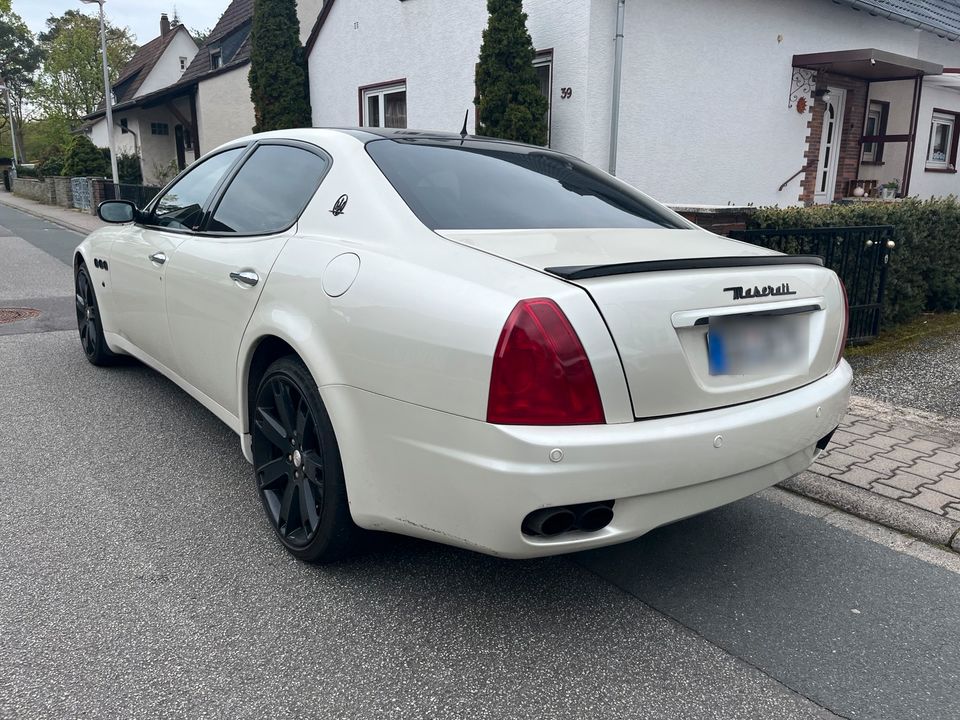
x=921 y=524
x=42 y=216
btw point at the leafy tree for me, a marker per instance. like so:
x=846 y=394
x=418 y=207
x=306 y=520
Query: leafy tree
x=509 y=102
x=20 y=58
x=84 y=159
x=278 y=84
x=71 y=84
x=200 y=35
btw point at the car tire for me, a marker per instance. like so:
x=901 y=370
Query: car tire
x=297 y=465
x=89 y=325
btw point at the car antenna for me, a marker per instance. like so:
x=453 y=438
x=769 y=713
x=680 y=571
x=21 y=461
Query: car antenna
x=463 y=132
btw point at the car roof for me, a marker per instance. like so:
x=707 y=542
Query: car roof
x=368 y=134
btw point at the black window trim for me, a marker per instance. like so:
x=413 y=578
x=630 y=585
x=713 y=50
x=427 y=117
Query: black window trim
x=220 y=189
x=232 y=173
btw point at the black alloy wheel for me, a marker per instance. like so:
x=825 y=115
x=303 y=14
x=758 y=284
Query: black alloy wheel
x=297 y=465
x=88 y=320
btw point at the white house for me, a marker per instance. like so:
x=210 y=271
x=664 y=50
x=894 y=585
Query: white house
x=156 y=133
x=740 y=102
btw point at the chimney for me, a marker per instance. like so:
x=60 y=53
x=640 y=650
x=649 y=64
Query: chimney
x=164 y=24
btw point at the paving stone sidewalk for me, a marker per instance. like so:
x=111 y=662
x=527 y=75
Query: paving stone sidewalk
x=81 y=222
x=897 y=459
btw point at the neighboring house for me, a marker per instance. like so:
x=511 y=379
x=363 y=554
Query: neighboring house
x=740 y=102
x=155 y=132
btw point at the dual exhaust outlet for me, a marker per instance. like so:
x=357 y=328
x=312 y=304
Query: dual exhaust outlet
x=586 y=517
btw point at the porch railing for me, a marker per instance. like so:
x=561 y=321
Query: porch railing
x=859 y=255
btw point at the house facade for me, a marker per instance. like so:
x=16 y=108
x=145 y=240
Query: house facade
x=156 y=133
x=742 y=102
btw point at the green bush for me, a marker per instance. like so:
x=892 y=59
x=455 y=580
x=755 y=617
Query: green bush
x=925 y=265
x=128 y=169
x=84 y=159
x=52 y=166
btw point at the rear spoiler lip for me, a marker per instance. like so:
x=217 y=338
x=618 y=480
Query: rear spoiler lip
x=583 y=272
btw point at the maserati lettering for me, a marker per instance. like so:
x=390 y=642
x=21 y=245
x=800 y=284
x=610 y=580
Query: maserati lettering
x=742 y=293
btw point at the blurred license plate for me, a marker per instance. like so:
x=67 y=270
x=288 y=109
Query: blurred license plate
x=757 y=344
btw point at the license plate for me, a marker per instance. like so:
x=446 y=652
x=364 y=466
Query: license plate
x=757 y=344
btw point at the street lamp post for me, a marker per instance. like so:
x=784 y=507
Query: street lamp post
x=108 y=99
x=13 y=128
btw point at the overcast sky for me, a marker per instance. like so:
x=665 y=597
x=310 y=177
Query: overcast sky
x=143 y=23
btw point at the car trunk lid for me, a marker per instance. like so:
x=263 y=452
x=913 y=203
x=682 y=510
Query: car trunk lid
x=699 y=321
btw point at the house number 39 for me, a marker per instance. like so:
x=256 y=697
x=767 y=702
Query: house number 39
x=566 y=93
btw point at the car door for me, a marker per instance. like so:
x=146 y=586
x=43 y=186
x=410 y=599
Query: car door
x=215 y=278
x=138 y=261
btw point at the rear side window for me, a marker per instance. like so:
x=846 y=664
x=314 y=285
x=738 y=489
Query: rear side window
x=270 y=191
x=481 y=185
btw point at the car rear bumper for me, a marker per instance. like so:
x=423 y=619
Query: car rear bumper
x=460 y=481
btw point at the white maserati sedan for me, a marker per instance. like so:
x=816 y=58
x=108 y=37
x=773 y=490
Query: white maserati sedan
x=473 y=341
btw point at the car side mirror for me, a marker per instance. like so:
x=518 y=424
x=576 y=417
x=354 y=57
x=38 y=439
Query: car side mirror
x=117 y=211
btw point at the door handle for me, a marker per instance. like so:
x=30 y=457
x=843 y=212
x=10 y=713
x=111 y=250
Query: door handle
x=247 y=277
x=159 y=258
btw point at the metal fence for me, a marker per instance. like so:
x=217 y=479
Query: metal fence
x=82 y=191
x=859 y=255
x=139 y=195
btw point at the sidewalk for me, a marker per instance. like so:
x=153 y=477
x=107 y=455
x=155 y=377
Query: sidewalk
x=75 y=220
x=895 y=467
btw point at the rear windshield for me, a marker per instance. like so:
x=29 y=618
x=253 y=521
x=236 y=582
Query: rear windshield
x=482 y=185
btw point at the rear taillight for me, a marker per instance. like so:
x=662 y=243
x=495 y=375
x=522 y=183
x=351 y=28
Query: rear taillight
x=541 y=374
x=845 y=328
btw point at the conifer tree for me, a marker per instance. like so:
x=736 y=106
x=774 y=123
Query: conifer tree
x=509 y=102
x=83 y=159
x=278 y=85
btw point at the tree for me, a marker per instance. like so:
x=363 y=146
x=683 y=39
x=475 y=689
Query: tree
x=71 y=84
x=84 y=159
x=509 y=102
x=20 y=58
x=278 y=78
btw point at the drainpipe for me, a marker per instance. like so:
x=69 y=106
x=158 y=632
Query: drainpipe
x=617 y=68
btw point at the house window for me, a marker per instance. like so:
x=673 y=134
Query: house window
x=543 y=63
x=876 y=124
x=384 y=105
x=942 y=150
x=216 y=59
x=183 y=64
x=159 y=129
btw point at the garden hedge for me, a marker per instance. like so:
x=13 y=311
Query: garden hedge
x=924 y=270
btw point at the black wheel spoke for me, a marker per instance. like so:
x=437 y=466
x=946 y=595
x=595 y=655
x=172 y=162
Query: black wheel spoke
x=285 y=504
x=272 y=429
x=284 y=405
x=312 y=465
x=303 y=416
x=308 y=509
x=272 y=472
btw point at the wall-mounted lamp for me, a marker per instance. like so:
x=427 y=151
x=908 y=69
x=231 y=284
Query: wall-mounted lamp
x=823 y=94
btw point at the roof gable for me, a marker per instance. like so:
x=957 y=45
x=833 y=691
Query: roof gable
x=230 y=36
x=144 y=60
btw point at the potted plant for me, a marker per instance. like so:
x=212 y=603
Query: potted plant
x=889 y=189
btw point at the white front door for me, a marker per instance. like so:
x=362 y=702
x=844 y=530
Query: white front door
x=830 y=146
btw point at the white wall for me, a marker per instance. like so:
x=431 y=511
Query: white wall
x=167 y=70
x=923 y=182
x=224 y=108
x=704 y=108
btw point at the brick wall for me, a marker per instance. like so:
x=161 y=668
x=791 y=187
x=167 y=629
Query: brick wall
x=849 y=157
x=38 y=190
x=63 y=191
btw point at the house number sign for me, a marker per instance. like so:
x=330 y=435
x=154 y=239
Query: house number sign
x=566 y=93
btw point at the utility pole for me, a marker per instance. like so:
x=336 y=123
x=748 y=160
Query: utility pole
x=107 y=94
x=13 y=128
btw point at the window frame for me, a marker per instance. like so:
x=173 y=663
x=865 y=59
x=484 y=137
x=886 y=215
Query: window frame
x=541 y=59
x=883 y=110
x=381 y=89
x=183 y=63
x=211 y=209
x=216 y=59
x=149 y=211
x=951 y=119
x=155 y=126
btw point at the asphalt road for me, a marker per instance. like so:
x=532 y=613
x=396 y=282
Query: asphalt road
x=139 y=579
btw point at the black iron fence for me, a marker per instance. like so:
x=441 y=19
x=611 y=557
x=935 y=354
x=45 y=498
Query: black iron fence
x=139 y=195
x=859 y=255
